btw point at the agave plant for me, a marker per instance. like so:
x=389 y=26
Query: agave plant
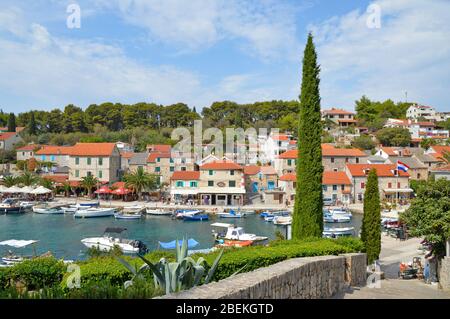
x=182 y=274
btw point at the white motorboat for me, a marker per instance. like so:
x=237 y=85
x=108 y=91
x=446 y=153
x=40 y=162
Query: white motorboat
x=232 y=232
x=282 y=220
x=336 y=218
x=110 y=239
x=182 y=213
x=158 y=212
x=27 y=205
x=11 y=206
x=329 y=232
x=138 y=208
x=232 y=214
x=341 y=211
x=44 y=209
x=94 y=212
x=128 y=215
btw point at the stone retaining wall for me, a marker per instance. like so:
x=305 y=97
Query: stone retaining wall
x=300 y=278
x=444 y=274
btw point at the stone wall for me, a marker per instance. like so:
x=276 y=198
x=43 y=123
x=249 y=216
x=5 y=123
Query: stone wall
x=300 y=278
x=444 y=274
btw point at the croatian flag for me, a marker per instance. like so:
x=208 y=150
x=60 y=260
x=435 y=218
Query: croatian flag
x=402 y=166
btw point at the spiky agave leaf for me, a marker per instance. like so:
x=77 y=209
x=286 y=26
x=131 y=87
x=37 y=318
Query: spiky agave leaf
x=213 y=268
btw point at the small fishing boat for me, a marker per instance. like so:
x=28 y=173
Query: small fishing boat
x=134 y=208
x=128 y=215
x=274 y=213
x=338 y=232
x=234 y=243
x=282 y=220
x=12 y=258
x=232 y=232
x=232 y=214
x=45 y=209
x=11 y=206
x=340 y=211
x=269 y=219
x=158 y=212
x=94 y=212
x=181 y=213
x=195 y=217
x=88 y=204
x=111 y=238
x=27 y=205
x=335 y=218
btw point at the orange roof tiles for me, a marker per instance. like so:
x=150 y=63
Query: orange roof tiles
x=185 y=175
x=442 y=169
x=92 y=149
x=337 y=112
x=335 y=178
x=291 y=177
x=291 y=154
x=251 y=169
x=163 y=148
x=7 y=135
x=54 y=150
x=348 y=152
x=61 y=179
x=221 y=165
x=281 y=137
x=126 y=154
x=29 y=147
x=389 y=151
x=152 y=157
x=383 y=170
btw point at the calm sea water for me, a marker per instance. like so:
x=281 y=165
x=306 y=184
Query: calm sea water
x=61 y=234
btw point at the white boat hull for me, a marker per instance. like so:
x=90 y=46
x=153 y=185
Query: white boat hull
x=127 y=216
x=158 y=212
x=48 y=211
x=104 y=244
x=94 y=212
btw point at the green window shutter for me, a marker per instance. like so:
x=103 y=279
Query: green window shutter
x=232 y=183
x=100 y=174
x=77 y=173
x=77 y=160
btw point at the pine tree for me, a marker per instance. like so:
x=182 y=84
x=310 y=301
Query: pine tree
x=32 y=125
x=11 y=122
x=194 y=110
x=308 y=209
x=370 y=229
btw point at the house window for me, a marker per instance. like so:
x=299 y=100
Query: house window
x=231 y=172
x=77 y=160
x=346 y=159
x=100 y=161
x=363 y=185
x=335 y=187
x=418 y=175
x=172 y=168
x=342 y=187
x=389 y=185
x=100 y=174
x=332 y=160
x=398 y=185
x=171 y=160
x=77 y=173
x=211 y=172
x=193 y=184
x=158 y=159
x=210 y=183
x=88 y=161
x=324 y=188
x=232 y=184
x=157 y=169
x=23 y=153
x=357 y=160
x=89 y=174
x=180 y=184
x=183 y=169
x=289 y=162
x=43 y=157
x=335 y=169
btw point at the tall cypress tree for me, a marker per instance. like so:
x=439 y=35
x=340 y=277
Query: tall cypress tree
x=32 y=129
x=308 y=213
x=370 y=229
x=11 y=122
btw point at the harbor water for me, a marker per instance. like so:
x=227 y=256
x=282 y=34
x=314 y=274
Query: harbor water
x=62 y=234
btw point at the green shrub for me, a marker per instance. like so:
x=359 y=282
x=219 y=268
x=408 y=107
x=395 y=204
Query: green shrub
x=38 y=272
x=4 y=278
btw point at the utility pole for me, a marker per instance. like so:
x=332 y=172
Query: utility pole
x=406 y=96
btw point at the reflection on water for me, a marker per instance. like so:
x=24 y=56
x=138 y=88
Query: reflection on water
x=61 y=234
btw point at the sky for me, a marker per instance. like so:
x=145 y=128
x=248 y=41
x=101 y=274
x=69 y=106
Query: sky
x=201 y=51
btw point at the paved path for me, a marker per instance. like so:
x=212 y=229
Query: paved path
x=394 y=251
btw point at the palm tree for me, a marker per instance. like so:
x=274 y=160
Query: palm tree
x=28 y=179
x=89 y=182
x=47 y=183
x=67 y=189
x=140 y=181
x=10 y=180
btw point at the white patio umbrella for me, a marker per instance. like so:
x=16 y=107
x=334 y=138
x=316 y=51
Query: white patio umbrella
x=27 y=189
x=40 y=190
x=13 y=189
x=3 y=189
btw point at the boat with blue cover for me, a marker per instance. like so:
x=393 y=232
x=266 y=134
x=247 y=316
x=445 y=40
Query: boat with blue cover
x=196 y=217
x=231 y=213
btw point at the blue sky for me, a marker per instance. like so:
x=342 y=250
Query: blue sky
x=200 y=51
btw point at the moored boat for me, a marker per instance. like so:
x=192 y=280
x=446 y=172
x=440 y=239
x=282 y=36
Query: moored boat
x=12 y=258
x=111 y=238
x=282 y=220
x=181 y=213
x=45 y=209
x=196 y=217
x=335 y=218
x=158 y=212
x=128 y=215
x=232 y=232
x=234 y=243
x=94 y=212
x=11 y=206
x=329 y=232
x=231 y=214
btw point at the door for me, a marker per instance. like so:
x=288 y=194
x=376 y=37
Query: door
x=255 y=187
x=271 y=185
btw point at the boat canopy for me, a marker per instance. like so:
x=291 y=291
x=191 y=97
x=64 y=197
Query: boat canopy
x=17 y=243
x=173 y=244
x=115 y=230
x=224 y=225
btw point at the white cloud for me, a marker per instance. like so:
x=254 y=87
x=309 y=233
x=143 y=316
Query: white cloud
x=410 y=52
x=267 y=27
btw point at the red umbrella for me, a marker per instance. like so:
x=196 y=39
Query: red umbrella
x=103 y=190
x=120 y=191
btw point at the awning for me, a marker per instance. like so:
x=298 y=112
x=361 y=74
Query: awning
x=398 y=190
x=173 y=244
x=221 y=190
x=17 y=243
x=176 y=191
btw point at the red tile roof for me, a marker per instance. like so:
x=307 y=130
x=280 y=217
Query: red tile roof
x=7 y=135
x=29 y=147
x=251 y=169
x=442 y=169
x=347 y=121
x=347 y=152
x=383 y=170
x=221 y=165
x=54 y=150
x=281 y=137
x=291 y=177
x=18 y=129
x=425 y=124
x=126 y=154
x=61 y=179
x=292 y=142
x=291 y=154
x=163 y=148
x=337 y=112
x=185 y=175
x=153 y=156
x=335 y=178
x=92 y=149
x=389 y=151
x=439 y=151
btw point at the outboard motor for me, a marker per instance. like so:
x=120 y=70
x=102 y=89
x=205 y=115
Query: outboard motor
x=142 y=247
